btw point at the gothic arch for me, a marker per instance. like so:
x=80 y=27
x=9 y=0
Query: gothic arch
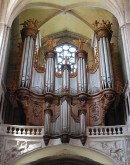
x=64 y=151
x=112 y=7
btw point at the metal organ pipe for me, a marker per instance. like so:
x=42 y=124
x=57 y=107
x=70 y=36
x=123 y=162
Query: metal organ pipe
x=29 y=62
x=28 y=33
x=106 y=62
x=52 y=74
x=82 y=76
x=81 y=69
x=47 y=125
x=66 y=78
x=103 y=32
x=79 y=78
x=65 y=115
x=49 y=82
x=84 y=73
x=46 y=75
x=110 y=64
x=21 y=82
x=82 y=122
x=104 y=80
x=25 y=62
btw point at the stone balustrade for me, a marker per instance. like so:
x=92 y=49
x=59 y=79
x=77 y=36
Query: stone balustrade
x=106 y=130
x=17 y=130
x=20 y=140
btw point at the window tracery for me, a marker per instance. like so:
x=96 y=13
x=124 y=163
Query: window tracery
x=65 y=53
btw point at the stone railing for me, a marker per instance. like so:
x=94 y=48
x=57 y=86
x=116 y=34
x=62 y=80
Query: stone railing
x=107 y=130
x=16 y=130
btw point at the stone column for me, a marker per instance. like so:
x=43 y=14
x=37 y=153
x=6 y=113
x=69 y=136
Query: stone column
x=4 y=38
x=50 y=72
x=28 y=33
x=82 y=73
x=104 y=33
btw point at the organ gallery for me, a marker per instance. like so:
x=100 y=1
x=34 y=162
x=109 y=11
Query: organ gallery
x=58 y=89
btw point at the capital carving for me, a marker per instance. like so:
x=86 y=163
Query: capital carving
x=103 y=29
x=30 y=28
x=50 y=54
x=82 y=111
x=82 y=54
x=66 y=66
x=48 y=111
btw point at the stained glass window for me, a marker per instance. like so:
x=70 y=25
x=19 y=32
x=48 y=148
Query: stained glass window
x=66 y=52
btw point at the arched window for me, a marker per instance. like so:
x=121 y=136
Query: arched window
x=66 y=51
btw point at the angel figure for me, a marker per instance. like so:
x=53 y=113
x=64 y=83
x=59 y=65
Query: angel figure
x=51 y=43
x=80 y=43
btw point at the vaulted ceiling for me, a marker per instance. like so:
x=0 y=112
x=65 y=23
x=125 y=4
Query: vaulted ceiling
x=66 y=16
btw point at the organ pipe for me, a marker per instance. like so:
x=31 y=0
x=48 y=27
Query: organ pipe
x=66 y=78
x=65 y=115
x=104 y=33
x=47 y=125
x=28 y=33
x=82 y=116
x=50 y=64
x=82 y=76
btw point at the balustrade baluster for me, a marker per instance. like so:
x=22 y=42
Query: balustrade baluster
x=92 y=131
x=23 y=131
x=28 y=131
x=101 y=131
x=18 y=131
x=33 y=131
x=113 y=131
x=107 y=131
x=38 y=131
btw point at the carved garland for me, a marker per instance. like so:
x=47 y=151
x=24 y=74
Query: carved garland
x=94 y=67
x=38 y=68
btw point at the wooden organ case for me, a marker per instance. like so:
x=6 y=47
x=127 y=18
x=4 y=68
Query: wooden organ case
x=63 y=111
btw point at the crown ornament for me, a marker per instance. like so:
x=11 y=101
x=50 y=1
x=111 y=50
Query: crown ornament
x=103 y=29
x=30 y=28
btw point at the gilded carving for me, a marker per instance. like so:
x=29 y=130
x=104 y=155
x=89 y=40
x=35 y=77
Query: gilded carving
x=30 y=28
x=80 y=43
x=103 y=29
x=38 y=68
x=37 y=113
x=94 y=111
x=93 y=68
x=50 y=43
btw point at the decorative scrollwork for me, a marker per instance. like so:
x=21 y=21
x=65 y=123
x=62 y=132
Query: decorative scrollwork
x=95 y=64
x=38 y=68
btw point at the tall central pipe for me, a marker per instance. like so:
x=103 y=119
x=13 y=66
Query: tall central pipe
x=82 y=75
x=50 y=71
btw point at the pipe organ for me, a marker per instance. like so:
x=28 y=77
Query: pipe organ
x=65 y=112
x=103 y=32
x=28 y=33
